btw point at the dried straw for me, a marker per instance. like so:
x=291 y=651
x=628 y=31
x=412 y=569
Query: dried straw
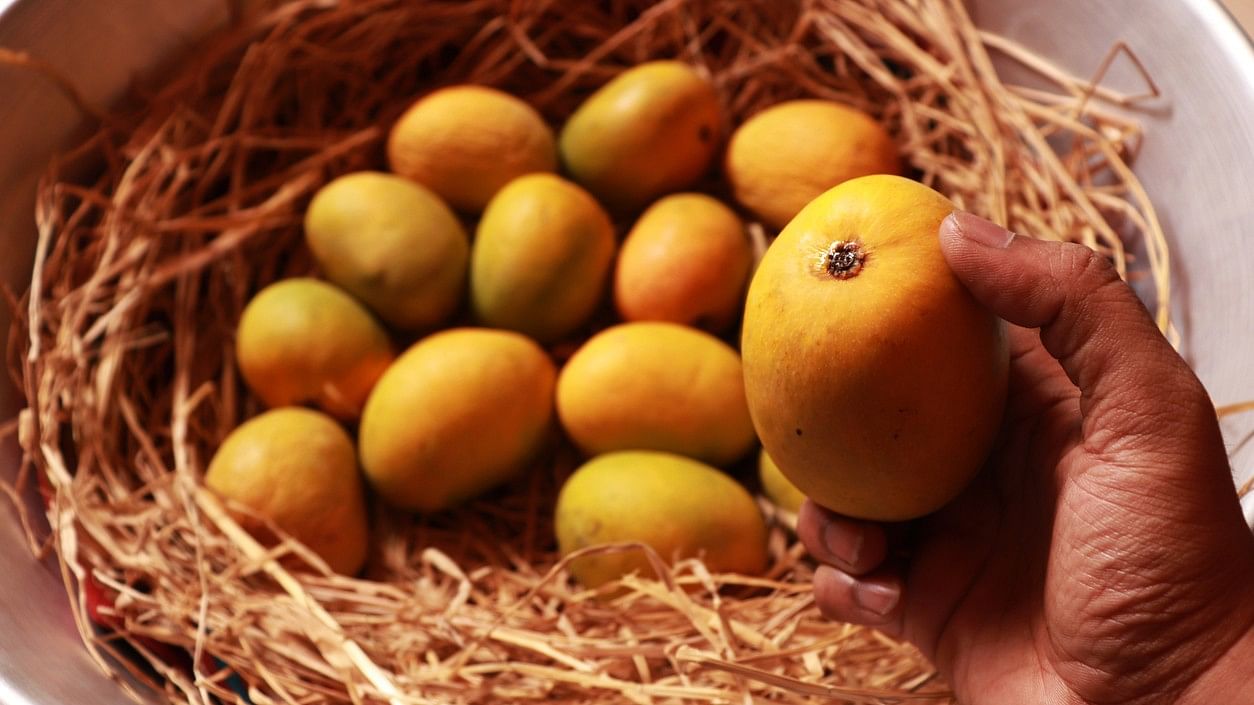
x=124 y=349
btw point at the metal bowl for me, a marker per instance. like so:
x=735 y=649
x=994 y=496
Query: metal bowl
x=1195 y=163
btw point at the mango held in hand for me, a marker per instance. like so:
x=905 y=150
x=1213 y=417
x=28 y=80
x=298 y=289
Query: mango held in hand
x=876 y=382
x=541 y=256
x=785 y=156
x=305 y=341
x=652 y=130
x=296 y=468
x=686 y=260
x=458 y=413
x=466 y=142
x=679 y=507
x=656 y=386
x=391 y=243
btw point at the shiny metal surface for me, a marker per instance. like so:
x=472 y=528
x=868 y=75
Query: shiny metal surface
x=1196 y=163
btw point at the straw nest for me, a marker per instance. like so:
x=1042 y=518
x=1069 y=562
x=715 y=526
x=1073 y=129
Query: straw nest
x=123 y=348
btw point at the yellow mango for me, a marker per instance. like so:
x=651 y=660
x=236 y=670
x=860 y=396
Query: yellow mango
x=656 y=386
x=392 y=244
x=785 y=156
x=297 y=469
x=458 y=413
x=541 y=257
x=686 y=260
x=875 y=380
x=466 y=142
x=776 y=486
x=305 y=341
x=651 y=130
x=677 y=506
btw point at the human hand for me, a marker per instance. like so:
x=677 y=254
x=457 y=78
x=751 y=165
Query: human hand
x=1101 y=556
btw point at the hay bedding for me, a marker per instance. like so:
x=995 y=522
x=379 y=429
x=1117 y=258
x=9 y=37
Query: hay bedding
x=123 y=349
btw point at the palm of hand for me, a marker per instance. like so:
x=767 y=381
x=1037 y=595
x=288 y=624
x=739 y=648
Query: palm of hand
x=1101 y=557
x=1038 y=589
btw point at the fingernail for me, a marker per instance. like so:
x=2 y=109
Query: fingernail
x=877 y=598
x=976 y=229
x=843 y=543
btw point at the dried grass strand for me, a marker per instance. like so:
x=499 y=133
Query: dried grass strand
x=141 y=274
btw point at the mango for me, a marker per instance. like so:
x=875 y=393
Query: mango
x=776 y=486
x=651 y=130
x=541 y=258
x=392 y=244
x=656 y=386
x=305 y=341
x=458 y=413
x=874 y=379
x=677 y=506
x=297 y=469
x=686 y=260
x=785 y=156
x=466 y=142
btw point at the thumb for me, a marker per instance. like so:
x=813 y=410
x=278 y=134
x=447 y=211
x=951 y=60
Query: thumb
x=1148 y=540
x=1138 y=396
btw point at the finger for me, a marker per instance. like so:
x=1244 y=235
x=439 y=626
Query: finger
x=874 y=600
x=854 y=546
x=1132 y=383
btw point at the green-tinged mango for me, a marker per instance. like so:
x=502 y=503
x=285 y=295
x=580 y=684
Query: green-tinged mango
x=677 y=506
x=778 y=488
x=650 y=131
x=392 y=244
x=541 y=257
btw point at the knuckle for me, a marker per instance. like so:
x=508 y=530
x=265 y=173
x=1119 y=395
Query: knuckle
x=1085 y=267
x=1089 y=283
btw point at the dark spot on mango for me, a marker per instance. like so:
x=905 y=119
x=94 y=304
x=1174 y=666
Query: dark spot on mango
x=705 y=133
x=798 y=432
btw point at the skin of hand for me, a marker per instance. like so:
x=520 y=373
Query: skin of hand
x=1101 y=555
